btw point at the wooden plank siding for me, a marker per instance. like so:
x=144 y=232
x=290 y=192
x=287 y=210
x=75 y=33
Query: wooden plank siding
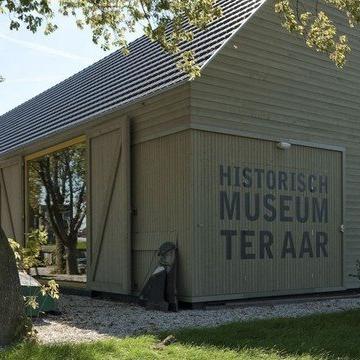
x=266 y=83
x=109 y=208
x=223 y=269
x=162 y=208
x=11 y=199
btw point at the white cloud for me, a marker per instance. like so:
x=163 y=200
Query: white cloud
x=46 y=49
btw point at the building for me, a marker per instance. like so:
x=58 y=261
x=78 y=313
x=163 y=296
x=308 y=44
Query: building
x=252 y=169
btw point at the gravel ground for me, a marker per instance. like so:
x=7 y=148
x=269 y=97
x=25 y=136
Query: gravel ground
x=86 y=319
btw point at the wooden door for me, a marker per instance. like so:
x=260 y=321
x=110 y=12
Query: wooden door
x=109 y=208
x=11 y=199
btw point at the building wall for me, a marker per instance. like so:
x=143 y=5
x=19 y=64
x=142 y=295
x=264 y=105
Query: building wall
x=160 y=115
x=266 y=221
x=266 y=83
x=263 y=83
x=161 y=201
x=159 y=178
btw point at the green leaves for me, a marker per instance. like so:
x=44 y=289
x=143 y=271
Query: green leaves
x=51 y=289
x=29 y=256
x=32 y=14
x=163 y=21
x=313 y=23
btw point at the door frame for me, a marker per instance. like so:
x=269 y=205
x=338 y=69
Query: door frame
x=36 y=155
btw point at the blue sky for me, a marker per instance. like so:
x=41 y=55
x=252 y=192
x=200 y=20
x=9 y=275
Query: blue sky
x=31 y=63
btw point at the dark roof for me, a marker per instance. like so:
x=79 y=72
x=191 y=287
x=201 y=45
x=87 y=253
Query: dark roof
x=115 y=81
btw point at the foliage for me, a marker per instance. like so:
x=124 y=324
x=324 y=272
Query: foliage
x=166 y=22
x=34 y=188
x=28 y=257
x=311 y=20
x=319 y=337
x=110 y=21
x=51 y=289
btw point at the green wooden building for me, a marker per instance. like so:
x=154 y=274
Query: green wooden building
x=252 y=169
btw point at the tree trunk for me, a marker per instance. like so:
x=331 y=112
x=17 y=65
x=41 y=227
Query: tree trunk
x=71 y=260
x=12 y=308
x=60 y=257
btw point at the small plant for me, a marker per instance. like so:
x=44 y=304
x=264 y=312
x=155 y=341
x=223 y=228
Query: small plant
x=29 y=257
x=51 y=289
x=34 y=240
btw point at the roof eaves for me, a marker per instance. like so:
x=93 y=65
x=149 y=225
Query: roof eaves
x=14 y=150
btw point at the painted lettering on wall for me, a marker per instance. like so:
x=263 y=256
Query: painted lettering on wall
x=267 y=196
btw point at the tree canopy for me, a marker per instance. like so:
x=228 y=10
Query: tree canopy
x=165 y=21
x=111 y=20
x=312 y=21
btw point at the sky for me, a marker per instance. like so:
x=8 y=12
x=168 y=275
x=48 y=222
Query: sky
x=32 y=63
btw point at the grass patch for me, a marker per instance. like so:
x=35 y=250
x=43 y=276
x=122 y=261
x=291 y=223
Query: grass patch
x=320 y=337
x=81 y=245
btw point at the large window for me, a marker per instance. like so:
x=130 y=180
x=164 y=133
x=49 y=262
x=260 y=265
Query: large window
x=56 y=191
